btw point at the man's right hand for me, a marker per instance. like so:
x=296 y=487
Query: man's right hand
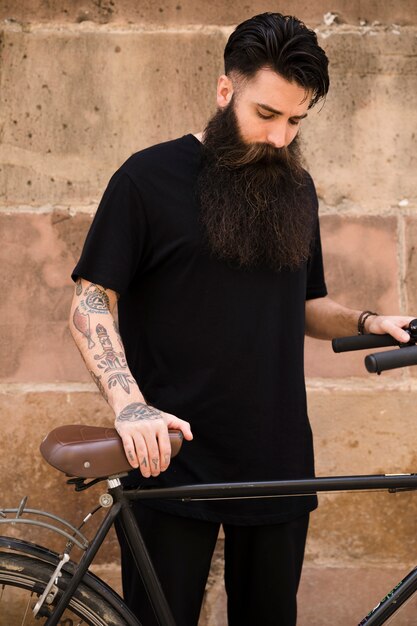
x=144 y=433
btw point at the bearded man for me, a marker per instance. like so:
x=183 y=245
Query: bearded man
x=212 y=242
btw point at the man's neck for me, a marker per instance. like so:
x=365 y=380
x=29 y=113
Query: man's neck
x=199 y=136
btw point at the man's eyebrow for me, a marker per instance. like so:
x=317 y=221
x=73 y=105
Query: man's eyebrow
x=271 y=110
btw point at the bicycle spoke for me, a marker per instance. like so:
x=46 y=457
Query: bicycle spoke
x=18 y=605
x=21 y=614
x=27 y=609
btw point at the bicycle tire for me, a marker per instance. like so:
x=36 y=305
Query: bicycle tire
x=30 y=575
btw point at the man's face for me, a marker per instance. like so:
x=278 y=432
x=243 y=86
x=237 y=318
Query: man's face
x=255 y=200
x=268 y=108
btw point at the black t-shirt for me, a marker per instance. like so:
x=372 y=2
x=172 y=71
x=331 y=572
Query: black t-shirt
x=218 y=346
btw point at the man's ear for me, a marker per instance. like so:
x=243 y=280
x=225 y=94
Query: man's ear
x=224 y=91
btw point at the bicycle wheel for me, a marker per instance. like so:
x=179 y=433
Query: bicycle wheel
x=22 y=581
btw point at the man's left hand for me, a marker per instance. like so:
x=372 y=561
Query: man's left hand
x=389 y=325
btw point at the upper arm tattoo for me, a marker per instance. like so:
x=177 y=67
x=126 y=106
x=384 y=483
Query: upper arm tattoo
x=96 y=299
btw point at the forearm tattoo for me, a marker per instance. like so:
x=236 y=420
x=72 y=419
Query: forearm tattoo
x=96 y=300
x=117 y=331
x=112 y=361
x=82 y=324
x=97 y=380
x=138 y=411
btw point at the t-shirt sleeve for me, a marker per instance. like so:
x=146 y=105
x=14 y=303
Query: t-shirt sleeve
x=115 y=245
x=316 y=284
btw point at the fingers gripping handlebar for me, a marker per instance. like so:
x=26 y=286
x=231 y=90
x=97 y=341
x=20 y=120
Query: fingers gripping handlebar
x=381 y=361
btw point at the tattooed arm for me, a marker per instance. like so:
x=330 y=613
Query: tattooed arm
x=143 y=429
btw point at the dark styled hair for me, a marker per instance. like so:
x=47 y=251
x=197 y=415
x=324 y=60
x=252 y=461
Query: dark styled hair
x=282 y=43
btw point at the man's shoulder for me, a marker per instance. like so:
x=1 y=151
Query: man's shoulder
x=307 y=177
x=161 y=155
x=309 y=183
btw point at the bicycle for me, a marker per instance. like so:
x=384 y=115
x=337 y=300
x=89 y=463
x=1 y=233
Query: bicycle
x=60 y=590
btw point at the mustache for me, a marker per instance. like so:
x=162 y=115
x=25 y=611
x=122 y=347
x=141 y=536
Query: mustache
x=252 y=153
x=223 y=144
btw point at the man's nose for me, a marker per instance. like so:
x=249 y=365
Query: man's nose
x=277 y=136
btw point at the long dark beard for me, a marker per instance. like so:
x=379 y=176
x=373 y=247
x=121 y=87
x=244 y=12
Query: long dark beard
x=256 y=200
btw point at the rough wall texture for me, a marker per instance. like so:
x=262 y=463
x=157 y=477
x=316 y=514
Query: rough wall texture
x=83 y=85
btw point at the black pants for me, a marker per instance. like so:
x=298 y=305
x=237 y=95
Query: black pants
x=262 y=568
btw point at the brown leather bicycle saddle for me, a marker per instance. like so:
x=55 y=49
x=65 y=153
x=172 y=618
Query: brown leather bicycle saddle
x=91 y=451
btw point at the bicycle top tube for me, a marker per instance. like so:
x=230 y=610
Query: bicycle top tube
x=277 y=488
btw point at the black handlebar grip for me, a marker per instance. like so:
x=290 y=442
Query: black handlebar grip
x=377 y=363
x=363 y=342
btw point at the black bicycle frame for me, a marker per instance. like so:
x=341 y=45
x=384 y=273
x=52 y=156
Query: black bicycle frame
x=223 y=491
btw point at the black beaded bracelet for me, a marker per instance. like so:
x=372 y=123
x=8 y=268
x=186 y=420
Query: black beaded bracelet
x=362 y=319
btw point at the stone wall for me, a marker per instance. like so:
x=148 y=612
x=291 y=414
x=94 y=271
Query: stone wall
x=84 y=84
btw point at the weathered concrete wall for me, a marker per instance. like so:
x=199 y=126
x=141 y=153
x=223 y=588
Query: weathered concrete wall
x=84 y=84
x=166 y=12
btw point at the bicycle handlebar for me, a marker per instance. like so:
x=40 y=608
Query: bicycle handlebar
x=377 y=363
x=391 y=359
x=362 y=342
